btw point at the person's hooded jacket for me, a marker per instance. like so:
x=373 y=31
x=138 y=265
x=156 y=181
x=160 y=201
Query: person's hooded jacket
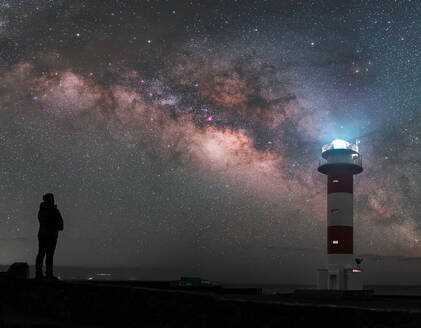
x=50 y=219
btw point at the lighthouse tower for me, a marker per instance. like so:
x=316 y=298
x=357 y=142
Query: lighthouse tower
x=341 y=160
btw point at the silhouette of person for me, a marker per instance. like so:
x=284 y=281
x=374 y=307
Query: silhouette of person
x=50 y=223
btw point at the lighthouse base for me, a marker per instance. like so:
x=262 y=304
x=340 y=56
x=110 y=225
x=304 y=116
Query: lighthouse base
x=339 y=279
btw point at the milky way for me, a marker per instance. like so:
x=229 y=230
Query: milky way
x=185 y=136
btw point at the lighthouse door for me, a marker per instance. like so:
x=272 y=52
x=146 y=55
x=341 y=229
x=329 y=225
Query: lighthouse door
x=333 y=281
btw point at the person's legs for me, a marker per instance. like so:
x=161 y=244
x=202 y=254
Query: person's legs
x=51 y=247
x=42 y=250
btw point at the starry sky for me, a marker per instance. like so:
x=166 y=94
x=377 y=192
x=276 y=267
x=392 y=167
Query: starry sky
x=184 y=136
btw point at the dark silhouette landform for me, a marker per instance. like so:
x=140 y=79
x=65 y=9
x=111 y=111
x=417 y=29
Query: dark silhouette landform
x=188 y=303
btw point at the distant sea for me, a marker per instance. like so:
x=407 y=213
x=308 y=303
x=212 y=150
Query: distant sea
x=133 y=274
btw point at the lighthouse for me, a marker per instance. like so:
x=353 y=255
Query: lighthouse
x=340 y=161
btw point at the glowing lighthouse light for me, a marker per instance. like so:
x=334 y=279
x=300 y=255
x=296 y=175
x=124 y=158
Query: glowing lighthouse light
x=340 y=144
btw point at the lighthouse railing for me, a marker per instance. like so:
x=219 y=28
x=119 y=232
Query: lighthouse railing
x=356 y=160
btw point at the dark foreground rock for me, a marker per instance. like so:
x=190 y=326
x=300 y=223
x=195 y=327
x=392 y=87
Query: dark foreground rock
x=108 y=305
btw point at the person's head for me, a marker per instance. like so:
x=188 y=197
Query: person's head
x=48 y=198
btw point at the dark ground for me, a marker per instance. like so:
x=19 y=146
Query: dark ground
x=30 y=303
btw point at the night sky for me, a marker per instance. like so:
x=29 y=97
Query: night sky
x=184 y=136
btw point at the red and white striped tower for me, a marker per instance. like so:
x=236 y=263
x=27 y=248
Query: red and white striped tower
x=341 y=160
